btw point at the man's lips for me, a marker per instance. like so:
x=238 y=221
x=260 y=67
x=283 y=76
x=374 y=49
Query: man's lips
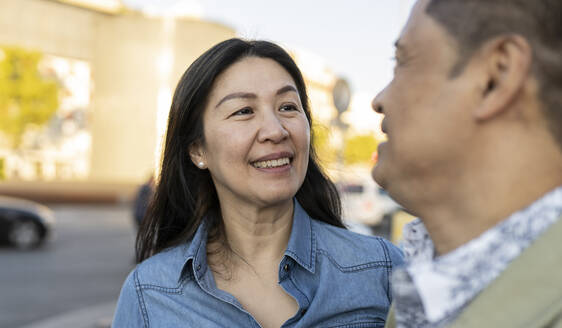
x=383 y=126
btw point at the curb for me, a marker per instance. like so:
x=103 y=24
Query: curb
x=97 y=316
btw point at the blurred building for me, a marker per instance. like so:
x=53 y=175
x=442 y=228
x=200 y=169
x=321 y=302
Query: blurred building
x=131 y=63
x=118 y=69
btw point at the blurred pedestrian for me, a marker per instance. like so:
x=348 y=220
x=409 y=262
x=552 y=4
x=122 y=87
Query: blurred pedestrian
x=474 y=124
x=245 y=228
x=142 y=200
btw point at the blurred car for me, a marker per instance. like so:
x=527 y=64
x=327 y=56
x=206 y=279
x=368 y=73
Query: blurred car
x=365 y=202
x=359 y=228
x=24 y=224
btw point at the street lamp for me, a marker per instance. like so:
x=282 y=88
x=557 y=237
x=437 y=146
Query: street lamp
x=341 y=96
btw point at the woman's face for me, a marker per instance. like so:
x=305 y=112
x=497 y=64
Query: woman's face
x=257 y=135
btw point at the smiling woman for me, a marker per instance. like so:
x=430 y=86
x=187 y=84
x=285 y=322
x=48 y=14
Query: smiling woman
x=245 y=228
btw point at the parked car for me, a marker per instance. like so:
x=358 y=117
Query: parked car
x=365 y=202
x=24 y=224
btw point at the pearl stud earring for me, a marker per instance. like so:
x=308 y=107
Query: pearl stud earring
x=201 y=164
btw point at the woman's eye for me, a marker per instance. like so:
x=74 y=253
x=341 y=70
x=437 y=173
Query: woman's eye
x=243 y=111
x=288 y=107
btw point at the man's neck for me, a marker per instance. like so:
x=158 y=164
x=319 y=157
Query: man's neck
x=491 y=189
x=453 y=227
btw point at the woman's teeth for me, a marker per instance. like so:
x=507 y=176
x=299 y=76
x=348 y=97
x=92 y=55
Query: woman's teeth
x=272 y=163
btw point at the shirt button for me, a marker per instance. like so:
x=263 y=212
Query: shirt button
x=286 y=268
x=198 y=267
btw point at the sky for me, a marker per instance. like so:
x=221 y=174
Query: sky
x=355 y=38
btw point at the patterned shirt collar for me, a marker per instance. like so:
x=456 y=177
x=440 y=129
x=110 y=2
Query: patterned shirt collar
x=431 y=291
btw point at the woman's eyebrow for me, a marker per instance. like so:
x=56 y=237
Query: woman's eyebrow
x=249 y=95
x=286 y=88
x=243 y=95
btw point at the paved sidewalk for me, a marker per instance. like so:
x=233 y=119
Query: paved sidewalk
x=98 y=316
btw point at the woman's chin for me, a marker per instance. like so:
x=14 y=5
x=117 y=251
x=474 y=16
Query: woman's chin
x=275 y=198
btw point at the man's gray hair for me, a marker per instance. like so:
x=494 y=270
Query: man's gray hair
x=473 y=22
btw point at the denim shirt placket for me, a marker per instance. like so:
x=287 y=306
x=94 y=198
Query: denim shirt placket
x=205 y=280
x=286 y=268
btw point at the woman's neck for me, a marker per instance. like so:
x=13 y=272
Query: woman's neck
x=252 y=237
x=258 y=234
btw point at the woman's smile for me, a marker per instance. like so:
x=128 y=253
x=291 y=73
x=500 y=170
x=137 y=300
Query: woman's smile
x=274 y=163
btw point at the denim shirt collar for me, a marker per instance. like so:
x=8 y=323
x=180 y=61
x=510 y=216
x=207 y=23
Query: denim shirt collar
x=302 y=242
x=196 y=253
x=301 y=247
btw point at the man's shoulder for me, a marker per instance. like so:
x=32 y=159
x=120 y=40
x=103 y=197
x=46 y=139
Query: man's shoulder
x=527 y=294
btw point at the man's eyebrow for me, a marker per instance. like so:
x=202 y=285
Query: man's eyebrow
x=243 y=95
x=287 y=88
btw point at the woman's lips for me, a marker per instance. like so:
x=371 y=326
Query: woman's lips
x=274 y=156
x=272 y=163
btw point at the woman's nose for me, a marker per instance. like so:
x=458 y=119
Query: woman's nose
x=272 y=129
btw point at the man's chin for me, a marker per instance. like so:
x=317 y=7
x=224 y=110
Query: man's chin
x=378 y=175
x=377 y=171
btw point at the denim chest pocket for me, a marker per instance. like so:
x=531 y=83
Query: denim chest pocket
x=350 y=293
x=358 y=265
x=362 y=323
x=350 y=318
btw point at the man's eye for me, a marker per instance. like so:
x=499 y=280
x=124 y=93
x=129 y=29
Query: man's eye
x=243 y=111
x=288 y=108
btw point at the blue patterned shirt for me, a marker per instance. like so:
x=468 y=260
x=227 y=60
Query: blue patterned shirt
x=432 y=291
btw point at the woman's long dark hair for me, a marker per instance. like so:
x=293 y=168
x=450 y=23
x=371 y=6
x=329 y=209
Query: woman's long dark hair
x=185 y=195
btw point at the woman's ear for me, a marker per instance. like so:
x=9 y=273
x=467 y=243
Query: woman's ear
x=197 y=155
x=507 y=61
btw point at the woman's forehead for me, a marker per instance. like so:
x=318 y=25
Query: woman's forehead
x=252 y=75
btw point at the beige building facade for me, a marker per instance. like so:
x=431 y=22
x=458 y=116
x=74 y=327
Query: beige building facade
x=135 y=62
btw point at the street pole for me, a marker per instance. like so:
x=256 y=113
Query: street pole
x=341 y=96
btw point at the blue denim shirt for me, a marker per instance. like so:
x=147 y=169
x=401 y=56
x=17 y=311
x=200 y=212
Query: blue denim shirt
x=338 y=278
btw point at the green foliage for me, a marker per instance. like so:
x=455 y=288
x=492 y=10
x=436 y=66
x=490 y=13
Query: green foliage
x=321 y=142
x=2 y=173
x=26 y=98
x=359 y=149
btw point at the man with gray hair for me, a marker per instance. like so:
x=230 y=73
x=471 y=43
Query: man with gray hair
x=473 y=117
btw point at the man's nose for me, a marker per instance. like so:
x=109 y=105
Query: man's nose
x=272 y=129
x=377 y=103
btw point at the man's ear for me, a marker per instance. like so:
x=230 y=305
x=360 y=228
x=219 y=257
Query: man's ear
x=197 y=155
x=507 y=61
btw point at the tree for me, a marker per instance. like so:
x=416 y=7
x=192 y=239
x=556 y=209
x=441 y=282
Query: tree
x=26 y=97
x=359 y=149
x=326 y=153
